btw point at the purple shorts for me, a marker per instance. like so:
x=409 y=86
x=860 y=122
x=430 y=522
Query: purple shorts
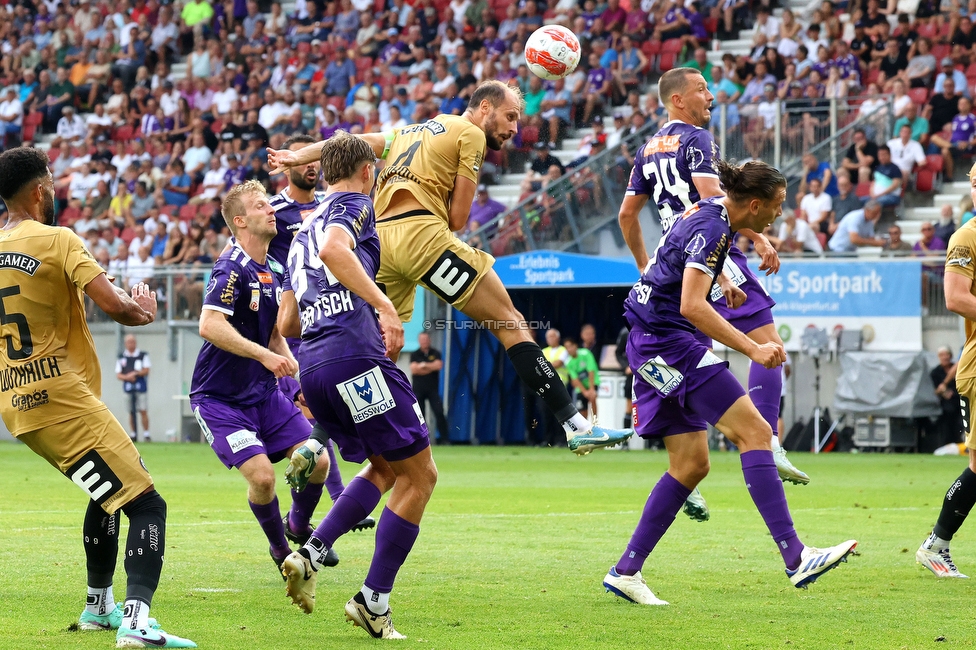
x=679 y=384
x=757 y=301
x=238 y=434
x=368 y=408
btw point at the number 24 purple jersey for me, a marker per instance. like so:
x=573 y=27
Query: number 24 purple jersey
x=665 y=166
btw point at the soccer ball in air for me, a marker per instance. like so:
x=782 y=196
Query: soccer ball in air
x=552 y=52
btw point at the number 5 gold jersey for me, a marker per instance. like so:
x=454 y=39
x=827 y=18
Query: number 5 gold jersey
x=425 y=158
x=49 y=370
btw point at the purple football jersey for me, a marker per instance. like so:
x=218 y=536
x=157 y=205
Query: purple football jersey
x=336 y=323
x=595 y=79
x=666 y=164
x=249 y=294
x=289 y=215
x=698 y=239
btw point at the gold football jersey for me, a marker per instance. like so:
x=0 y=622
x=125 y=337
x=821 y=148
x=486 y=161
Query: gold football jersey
x=49 y=371
x=424 y=159
x=960 y=259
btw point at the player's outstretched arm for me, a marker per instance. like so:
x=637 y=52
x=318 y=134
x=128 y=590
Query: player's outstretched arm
x=281 y=159
x=139 y=309
x=215 y=328
x=629 y=220
x=288 y=322
x=337 y=253
x=695 y=288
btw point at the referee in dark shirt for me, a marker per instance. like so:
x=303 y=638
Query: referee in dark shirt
x=425 y=368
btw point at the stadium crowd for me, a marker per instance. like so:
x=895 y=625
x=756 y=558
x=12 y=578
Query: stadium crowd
x=142 y=156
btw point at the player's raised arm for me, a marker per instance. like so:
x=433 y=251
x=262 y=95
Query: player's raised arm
x=281 y=159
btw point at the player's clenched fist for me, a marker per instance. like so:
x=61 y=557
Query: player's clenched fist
x=769 y=355
x=279 y=365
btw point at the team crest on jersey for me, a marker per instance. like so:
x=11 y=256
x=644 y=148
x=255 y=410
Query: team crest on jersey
x=367 y=395
x=960 y=256
x=255 y=299
x=696 y=245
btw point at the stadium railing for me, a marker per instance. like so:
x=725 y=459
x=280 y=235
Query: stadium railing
x=563 y=212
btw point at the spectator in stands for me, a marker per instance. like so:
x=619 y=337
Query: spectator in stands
x=861 y=157
x=484 y=209
x=918 y=124
x=767 y=110
x=340 y=74
x=949 y=71
x=887 y=183
x=856 y=229
x=816 y=206
x=142 y=202
x=796 y=235
x=140 y=267
x=700 y=62
x=895 y=242
x=596 y=89
x=71 y=127
x=542 y=160
x=905 y=152
x=755 y=89
x=814 y=168
x=176 y=185
x=11 y=118
x=944 y=105
x=962 y=137
x=947 y=226
x=921 y=67
x=556 y=110
x=929 y=243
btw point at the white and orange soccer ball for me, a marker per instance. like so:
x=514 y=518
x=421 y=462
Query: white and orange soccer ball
x=552 y=52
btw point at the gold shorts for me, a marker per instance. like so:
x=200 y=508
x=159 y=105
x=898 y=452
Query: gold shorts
x=422 y=250
x=94 y=452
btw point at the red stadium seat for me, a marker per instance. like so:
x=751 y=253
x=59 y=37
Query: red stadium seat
x=304 y=46
x=651 y=48
x=822 y=238
x=363 y=63
x=68 y=216
x=31 y=122
x=673 y=45
x=928 y=30
x=711 y=25
x=862 y=190
x=124 y=133
x=530 y=135
x=667 y=61
x=924 y=181
x=188 y=212
x=934 y=163
x=872 y=76
x=919 y=95
x=941 y=51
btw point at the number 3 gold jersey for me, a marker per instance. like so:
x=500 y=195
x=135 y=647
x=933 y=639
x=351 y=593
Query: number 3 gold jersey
x=49 y=371
x=424 y=159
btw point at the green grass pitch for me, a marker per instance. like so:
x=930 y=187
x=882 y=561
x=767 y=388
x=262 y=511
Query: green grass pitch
x=512 y=554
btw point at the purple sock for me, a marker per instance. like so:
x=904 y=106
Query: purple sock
x=765 y=389
x=333 y=480
x=662 y=505
x=269 y=516
x=394 y=539
x=356 y=501
x=766 y=490
x=303 y=505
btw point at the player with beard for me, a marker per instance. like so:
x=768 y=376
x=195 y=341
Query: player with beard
x=51 y=395
x=423 y=196
x=292 y=206
x=677 y=167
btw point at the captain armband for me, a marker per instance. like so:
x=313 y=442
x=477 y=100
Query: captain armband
x=388 y=137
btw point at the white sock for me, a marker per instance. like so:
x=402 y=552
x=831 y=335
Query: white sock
x=375 y=601
x=774 y=443
x=100 y=600
x=145 y=435
x=317 y=552
x=935 y=543
x=135 y=615
x=576 y=425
